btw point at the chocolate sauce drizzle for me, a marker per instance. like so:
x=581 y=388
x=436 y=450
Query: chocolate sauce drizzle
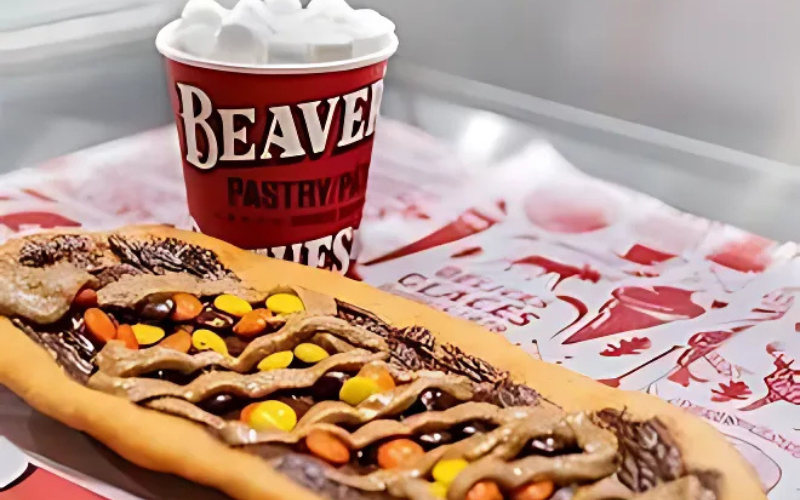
x=648 y=455
x=71 y=350
x=416 y=348
x=81 y=251
x=134 y=255
x=163 y=255
x=310 y=473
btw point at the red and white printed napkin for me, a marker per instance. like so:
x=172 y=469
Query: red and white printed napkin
x=576 y=271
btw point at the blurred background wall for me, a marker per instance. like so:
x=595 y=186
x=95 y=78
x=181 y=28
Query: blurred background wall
x=722 y=71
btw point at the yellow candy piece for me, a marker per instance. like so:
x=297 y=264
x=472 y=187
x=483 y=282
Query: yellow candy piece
x=147 y=334
x=276 y=361
x=438 y=490
x=285 y=303
x=232 y=305
x=271 y=415
x=206 y=340
x=445 y=471
x=357 y=389
x=310 y=353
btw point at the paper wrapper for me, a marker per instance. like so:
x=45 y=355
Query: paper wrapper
x=579 y=272
x=25 y=477
x=276 y=159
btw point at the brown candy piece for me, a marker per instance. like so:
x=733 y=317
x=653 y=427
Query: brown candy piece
x=187 y=307
x=367 y=458
x=432 y=400
x=85 y=299
x=473 y=427
x=433 y=439
x=328 y=386
x=99 y=325
x=180 y=341
x=219 y=404
x=437 y=400
x=327 y=447
x=214 y=320
x=251 y=324
x=126 y=335
x=484 y=490
x=156 y=307
x=236 y=345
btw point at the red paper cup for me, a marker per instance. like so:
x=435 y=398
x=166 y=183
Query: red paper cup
x=276 y=159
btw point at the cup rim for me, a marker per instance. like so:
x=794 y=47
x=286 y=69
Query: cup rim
x=175 y=54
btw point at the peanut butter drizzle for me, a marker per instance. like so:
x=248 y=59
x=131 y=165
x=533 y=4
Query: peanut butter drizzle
x=131 y=289
x=488 y=454
x=314 y=302
x=45 y=295
x=331 y=343
x=610 y=488
x=256 y=385
x=387 y=403
x=40 y=295
x=337 y=413
x=597 y=461
x=371 y=432
x=183 y=408
x=684 y=488
x=116 y=361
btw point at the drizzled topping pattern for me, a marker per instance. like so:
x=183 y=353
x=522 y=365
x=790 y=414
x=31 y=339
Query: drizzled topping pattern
x=96 y=254
x=291 y=374
x=120 y=362
x=321 y=384
x=256 y=385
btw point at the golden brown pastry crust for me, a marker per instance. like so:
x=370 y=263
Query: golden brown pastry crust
x=170 y=444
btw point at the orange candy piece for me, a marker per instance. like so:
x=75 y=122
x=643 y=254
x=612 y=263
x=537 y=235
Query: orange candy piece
x=180 y=341
x=484 y=490
x=327 y=447
x=264 y=313
x=85 y=299
x=99 y=325
x=251 y=324
x=539 y=490
x=185 y=328
x=187 y=307
x=380 y=375
x=398 y=453
x=126 y=335
x=244 y=415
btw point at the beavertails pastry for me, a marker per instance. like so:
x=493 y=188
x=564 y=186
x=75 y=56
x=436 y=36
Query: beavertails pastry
x=269 y=380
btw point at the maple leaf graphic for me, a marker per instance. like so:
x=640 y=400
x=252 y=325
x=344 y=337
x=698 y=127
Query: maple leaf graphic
x=626 y=347
x=735 y=390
